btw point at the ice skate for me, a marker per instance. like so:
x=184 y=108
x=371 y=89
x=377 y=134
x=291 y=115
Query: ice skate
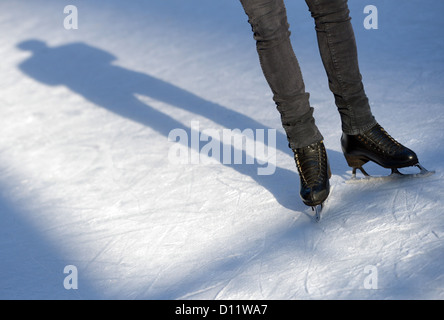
x=378 y=146
x=314 y=173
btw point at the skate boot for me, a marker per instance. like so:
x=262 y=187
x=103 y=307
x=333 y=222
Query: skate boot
x=314 y=173
x=378 y=146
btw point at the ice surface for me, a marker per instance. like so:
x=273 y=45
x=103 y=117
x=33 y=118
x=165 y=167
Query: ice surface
x=85 y=178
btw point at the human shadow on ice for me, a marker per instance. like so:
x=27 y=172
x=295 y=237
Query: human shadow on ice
x=89 y=72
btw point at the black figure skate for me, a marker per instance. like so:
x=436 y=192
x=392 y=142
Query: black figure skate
x=314 y=173
x=378 y=146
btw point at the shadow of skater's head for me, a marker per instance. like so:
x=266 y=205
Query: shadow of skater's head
x=32 y=45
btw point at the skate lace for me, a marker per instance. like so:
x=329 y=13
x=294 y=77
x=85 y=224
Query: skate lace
x=311 y=162
x=381 y=140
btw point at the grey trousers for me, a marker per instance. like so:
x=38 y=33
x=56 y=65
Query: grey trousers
x=337 y=46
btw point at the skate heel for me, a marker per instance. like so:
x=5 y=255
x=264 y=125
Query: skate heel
x=355 y=162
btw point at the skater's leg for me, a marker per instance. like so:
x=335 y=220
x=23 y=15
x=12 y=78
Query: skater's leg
x=268 y=19
x=363 y=138
x=280 y=66
x=338 y=50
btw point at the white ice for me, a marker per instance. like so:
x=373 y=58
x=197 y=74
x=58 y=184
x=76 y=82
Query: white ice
x=85 y=178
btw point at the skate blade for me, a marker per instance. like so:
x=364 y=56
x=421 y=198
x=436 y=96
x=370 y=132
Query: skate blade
x=395 y=175
x=317 y=212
